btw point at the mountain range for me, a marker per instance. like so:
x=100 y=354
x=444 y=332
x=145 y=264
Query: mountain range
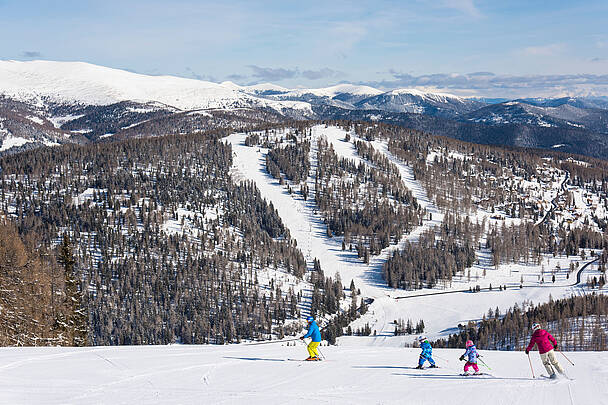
x=46 y=103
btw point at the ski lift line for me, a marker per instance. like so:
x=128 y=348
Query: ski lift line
x=271 y=342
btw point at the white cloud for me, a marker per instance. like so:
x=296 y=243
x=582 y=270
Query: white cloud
x=464 y=6
x=277 y=74
x=492 y=85
x=544 y=50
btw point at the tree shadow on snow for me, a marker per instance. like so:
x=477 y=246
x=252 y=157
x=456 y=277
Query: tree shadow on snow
x=397 y=367
x=252 y=358
x=459 y=377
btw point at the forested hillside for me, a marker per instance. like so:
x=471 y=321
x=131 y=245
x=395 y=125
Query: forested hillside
x=157 y=241
x=577 y=323
x=166 y=246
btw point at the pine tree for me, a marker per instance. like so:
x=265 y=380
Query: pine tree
x=75 y=319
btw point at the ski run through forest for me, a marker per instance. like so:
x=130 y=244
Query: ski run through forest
x=377 y=368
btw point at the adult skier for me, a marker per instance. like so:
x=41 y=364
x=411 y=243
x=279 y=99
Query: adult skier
x=545 y=343
x=426 y=354
x=315 y=339
x=472 y=355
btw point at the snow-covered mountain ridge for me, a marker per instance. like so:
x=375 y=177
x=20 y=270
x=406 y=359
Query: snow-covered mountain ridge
x=84 y=83
x=62 y=102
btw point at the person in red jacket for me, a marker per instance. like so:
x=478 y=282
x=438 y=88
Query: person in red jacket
x=545 y=343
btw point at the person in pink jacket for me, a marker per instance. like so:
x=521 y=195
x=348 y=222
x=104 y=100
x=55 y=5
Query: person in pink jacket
x=545 y=343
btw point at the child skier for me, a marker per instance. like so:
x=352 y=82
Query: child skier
x=472 y=355
x=427 y=353
x=545 y=343
x=315 y=339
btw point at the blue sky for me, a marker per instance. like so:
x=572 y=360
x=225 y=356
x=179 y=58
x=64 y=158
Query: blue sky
x=476 y=47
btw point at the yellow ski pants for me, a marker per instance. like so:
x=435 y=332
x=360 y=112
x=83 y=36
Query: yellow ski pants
x=312 y=349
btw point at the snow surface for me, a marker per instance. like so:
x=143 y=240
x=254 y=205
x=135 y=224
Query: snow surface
x=262 y=374
x=442 y=97
x=13 y=141
x=335 y=90
x=78 y=82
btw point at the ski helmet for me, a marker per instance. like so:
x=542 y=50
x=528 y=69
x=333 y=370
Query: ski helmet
x=421 y=338
x=309 y=319
x=469 y=343
x=535 y=326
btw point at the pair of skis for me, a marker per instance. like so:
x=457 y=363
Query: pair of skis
x=548 y=377
x=306 y=360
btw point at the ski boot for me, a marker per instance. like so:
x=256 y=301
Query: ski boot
x=433 y=366
x=313 y=359
x=553 y=376
x=419 y=367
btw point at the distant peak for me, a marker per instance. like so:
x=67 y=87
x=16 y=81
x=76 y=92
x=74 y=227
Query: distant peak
x=420 y=93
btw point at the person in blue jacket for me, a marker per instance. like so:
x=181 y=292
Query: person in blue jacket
x=427 y=353
x=315 y=339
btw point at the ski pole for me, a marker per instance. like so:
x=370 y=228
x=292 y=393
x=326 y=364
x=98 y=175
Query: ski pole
x=484 y=363
x=566 y=357
x=321 y=353
x=531 y=368
x=318 y=350
x=441 y=358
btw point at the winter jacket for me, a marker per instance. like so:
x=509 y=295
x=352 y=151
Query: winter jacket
x=427 y=350
x=543 y=340
x=314 y=332
x=472 y=354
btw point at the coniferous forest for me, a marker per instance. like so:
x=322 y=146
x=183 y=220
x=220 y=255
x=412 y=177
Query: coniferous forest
x=153 y=241
x=135 y=279
x=577 y=323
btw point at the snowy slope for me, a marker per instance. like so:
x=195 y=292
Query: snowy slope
x=333 y=91
x=441 y=313
x=262 y=374
x=419 y=102
x=78 y=82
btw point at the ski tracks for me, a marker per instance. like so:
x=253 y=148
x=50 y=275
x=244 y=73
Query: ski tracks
x=131 y=377
x=231 y=396
x=44 y=358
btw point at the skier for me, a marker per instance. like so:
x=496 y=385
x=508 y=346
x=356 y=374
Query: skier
x=545 y=343
x=427 y=353
x=315 y=339
x=472 y=355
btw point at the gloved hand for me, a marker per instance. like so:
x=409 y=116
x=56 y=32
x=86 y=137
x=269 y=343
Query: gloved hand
x=461 y=358
x=302 y=338
x=555 y=347
x=527 y=351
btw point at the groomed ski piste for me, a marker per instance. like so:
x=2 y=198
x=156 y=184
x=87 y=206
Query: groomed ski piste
x=262 y=374
x=375 y=369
